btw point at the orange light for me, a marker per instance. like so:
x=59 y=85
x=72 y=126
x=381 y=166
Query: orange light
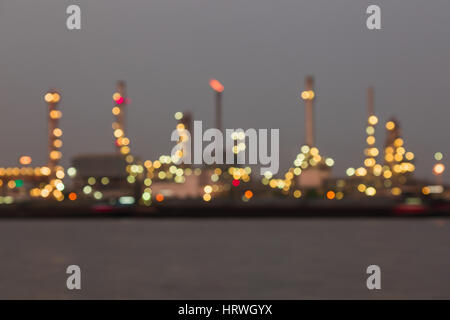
x=55 y=114
x=331 y=195
x=54 y=155
x=438 y=169
x=72 y=196
x=216 y=85
x=25 y=160
x=159 y=197
x=56 y=97
x=390 y=125
x=57 y=132
x=248 y=194
x=57 y=143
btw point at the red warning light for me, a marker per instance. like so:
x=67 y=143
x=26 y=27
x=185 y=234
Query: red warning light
x=235 y=182
x=120 y=100
x=216 y=85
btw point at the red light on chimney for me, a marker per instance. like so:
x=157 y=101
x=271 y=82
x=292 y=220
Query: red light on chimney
x=216 y=85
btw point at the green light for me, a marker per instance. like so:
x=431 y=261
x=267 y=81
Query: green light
x=438 y=156
x=19 y=183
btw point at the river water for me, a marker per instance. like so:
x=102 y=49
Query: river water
x=225 y=258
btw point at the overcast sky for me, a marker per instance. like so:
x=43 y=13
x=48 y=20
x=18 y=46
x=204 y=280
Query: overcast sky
x=261 y=50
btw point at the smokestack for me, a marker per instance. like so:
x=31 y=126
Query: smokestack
x=308 y=96
x=218 y=88
x=54 y=132
x=122 y=90
x=219 y=110
x=370 y=102
x=186 y=120
x=120 y=101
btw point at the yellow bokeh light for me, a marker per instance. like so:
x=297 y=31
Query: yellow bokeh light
x=57 y=143
x=438 y=168
x=297 y=194
x=361 y=172
x=57 y=132
x=398 y=142
x=409 y=156
x=45 y=171
x=60 y=174
x=390 y=125
x=389 y=157
x=314 y=151
x=116 y=96
x=48 y=97
x=387 y=174
x=398 y=157
x=56 y=97
x=373 y=120
x=116 y=111
x=124 y=150
x=370 y=191
x=307 y=95
x=55 y=114
x=55 y=155
x=369 y=162
x=118 y=133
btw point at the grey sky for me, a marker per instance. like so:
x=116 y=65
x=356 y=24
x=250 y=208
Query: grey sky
x=261 y=50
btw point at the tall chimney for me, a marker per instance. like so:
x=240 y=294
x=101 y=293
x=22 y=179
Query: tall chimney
x=54 y=132
x=219 y=110
x=218 y=88
x=120 y=102
x=370 y=101
x=122 y=90
x=187 y=122
x=308 y=96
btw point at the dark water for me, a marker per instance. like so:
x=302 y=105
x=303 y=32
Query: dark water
x=215 y=259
